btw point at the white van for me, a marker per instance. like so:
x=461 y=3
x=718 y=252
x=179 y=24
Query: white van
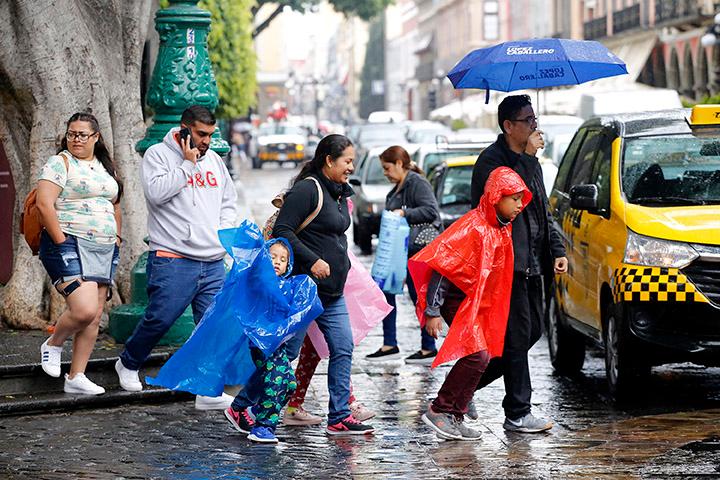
x=627 y=101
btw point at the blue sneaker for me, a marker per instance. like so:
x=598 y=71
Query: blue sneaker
x=262 y=434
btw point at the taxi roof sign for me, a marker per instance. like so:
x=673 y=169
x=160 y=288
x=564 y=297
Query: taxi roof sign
x=704 y=116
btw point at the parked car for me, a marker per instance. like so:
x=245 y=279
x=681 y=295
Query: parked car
x=451 y=182
x=429 y=156
x=385 y=116
x=637 y=198
x=552 y=125
x=278 y=142
x=425 y=131
x=371 y=187
x=380 y=134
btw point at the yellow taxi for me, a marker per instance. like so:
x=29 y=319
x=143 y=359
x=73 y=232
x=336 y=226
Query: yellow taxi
x=637 y=198
x=451 y=183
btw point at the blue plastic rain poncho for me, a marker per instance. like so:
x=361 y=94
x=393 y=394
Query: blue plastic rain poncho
x=254 y=308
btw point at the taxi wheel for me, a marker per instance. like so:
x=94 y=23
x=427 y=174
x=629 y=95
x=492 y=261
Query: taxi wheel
x=567 y=347
x=623 y=365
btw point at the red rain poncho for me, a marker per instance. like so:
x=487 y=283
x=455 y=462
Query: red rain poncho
x=475 y=253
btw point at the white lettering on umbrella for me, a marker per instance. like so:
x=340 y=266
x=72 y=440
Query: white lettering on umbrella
x=529 y=51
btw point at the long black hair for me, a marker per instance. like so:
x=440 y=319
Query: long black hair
x=333 y=145
x=100 y=150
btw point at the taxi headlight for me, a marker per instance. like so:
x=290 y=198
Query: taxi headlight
x=654 y=252
x=299 y=147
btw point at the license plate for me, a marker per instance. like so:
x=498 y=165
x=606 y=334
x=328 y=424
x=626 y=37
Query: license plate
x=282 y=156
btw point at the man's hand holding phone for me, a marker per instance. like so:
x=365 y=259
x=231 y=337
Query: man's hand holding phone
x=190 y=152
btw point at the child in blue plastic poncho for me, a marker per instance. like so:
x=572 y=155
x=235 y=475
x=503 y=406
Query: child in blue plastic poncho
x=274 y=376
x=240 y=339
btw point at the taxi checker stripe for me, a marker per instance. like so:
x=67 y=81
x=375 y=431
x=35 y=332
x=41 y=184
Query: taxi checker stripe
x=654 y=284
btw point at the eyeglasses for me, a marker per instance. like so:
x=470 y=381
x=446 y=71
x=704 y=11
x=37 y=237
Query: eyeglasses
x=82 y=136
x=529 y=120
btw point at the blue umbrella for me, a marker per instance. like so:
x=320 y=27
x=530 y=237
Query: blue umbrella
x=539 y=63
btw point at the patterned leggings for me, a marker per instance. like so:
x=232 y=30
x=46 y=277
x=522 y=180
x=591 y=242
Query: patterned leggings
x=278 y=383
x=307 y=363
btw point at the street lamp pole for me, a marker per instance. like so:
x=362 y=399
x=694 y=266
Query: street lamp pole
x=183 y=74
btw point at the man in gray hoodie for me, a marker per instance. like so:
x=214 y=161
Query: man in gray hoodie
x=190 y=196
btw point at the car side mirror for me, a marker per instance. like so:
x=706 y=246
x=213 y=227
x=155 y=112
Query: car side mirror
x=353 y=180
x=584 y=197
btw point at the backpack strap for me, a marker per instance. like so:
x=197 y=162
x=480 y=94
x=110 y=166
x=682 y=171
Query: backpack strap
x=65 y=160
x=315 y=212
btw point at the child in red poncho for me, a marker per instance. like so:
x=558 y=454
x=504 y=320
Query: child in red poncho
x=465 y=277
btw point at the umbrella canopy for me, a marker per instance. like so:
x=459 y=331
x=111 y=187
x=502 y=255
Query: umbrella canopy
x=539 y=63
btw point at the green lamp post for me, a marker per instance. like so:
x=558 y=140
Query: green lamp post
x=183 y=76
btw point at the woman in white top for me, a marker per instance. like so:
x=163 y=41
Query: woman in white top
x=78 y=198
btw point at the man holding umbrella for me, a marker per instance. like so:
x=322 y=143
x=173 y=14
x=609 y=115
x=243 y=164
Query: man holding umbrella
x=539 y=253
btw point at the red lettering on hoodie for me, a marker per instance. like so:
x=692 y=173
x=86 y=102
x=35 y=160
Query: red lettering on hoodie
x=199 y=181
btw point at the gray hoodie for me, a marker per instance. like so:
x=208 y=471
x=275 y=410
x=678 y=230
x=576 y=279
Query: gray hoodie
x=187 y=203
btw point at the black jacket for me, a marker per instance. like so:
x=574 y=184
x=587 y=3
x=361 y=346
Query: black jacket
x=324 y=238
x=536 y=215
x=415 y=196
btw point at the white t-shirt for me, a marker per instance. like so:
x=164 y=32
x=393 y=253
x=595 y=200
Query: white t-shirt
x=84 y=207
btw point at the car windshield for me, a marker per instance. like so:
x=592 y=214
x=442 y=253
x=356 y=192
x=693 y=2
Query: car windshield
x=672 y=170
x=456 y=188
x=280 y=130
x=426 y=136
x=375 y=172
x=432 y=160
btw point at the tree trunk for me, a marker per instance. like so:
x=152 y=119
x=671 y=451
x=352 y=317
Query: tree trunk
x=57 y=58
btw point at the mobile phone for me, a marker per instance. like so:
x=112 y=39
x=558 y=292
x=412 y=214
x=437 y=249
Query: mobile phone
x=185 y=133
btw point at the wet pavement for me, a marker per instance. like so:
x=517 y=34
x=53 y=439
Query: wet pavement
x=674 y=432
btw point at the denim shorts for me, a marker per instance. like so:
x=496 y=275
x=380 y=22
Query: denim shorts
x=63 y=261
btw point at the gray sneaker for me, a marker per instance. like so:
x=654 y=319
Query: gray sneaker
x=443 y=424
x=472 y=412
x=528 y=424
x=466 y=432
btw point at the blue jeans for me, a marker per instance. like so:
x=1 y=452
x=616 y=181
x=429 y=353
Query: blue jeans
x=334 y=324
x=172 y=285
x=427 y=342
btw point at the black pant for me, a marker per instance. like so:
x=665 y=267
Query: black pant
x=523 y=330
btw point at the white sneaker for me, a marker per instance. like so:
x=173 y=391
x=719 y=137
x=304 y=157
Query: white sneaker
x=213 y=403
x=82 y=384
x=129 y=379
x=50 y=359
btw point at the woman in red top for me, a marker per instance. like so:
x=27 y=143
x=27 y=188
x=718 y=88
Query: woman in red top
x=464 y=277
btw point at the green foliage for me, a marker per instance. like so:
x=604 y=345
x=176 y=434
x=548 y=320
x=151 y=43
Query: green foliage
x=373 y=70
x=707 y=99
x=365 y=9
x=457 y=124
x=232 y=55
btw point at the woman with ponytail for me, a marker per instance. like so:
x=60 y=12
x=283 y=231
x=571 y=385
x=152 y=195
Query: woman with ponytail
x=78 y=197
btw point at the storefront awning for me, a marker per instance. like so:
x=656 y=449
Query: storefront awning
x=634 y=50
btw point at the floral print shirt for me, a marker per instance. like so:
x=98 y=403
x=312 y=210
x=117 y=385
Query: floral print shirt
x=84 y=207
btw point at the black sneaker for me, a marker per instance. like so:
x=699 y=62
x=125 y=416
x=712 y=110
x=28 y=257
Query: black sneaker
x=349 y=426
x=420 y=358
x=241 y=420
x=381 y=354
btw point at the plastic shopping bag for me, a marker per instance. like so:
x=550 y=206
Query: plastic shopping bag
x=254 y=308
x=390 y=265
x=366 y=306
